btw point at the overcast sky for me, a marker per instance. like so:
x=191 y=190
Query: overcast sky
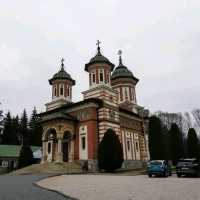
x=160 y=40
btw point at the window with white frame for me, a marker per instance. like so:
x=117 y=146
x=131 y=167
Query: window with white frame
x=49 y=148
x=4 y=163
x=61 y=90
x=83 y=145
x=137 y=146
x=128 y=145
x=93 y=78
x=101 y=75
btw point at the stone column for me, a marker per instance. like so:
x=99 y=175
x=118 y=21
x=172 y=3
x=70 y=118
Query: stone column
x=71 y=151
x=59 y=152
x=43 y=151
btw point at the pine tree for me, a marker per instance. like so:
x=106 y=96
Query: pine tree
x=7 y=132
x=35 y=129
x=176 y=143
x=26 y=156
x=10 y=130
x=156 y=143
x=192 y=144
x=23 y=129
x=110 y=154
x=15 y=128
x=1 y=125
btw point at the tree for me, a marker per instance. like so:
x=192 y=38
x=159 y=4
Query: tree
x=1 y=114
x=156 y=142
x=23 y=129
x=10 y=130
x=7 y=129
x=25 y=157
x=176 y=143
x=35 y=129
x=110 y=154
x=192 y=144
x=196 y=115
x=15 y=127
x=1 y=125
x=9 y=133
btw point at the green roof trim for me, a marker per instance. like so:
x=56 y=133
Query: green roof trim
x=13 y=150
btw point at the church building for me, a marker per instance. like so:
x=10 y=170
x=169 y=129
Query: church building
x=73 y=130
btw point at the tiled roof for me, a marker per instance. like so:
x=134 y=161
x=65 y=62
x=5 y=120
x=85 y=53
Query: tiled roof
x=13 y=150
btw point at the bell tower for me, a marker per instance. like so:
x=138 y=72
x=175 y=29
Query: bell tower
x=124 y=82
x=99 y=69
x=62 y=84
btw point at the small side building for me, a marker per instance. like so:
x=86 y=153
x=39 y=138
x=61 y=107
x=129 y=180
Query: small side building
x=9 y=156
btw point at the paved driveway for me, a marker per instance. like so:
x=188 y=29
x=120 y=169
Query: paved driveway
x=105 y=187
x=22 y=188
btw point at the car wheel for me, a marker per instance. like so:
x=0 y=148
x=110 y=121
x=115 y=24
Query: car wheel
x=150 y=175
x=179 y=175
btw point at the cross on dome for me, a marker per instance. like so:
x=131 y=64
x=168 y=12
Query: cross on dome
x=120 y=57
x=62 y=63
x=98 y=47
x=98 y=43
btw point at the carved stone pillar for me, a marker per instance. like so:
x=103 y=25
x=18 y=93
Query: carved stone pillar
x=71 y=151
x=52 y=151
x=59 y=151
x=44 y=156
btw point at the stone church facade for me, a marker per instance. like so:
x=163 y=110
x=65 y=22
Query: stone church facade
x=72 y=131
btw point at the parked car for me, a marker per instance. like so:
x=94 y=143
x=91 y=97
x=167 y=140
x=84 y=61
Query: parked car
x=159 y=167
x=188 y=167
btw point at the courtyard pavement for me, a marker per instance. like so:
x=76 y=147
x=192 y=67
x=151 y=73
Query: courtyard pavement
x=110 y=187
x=22 y=188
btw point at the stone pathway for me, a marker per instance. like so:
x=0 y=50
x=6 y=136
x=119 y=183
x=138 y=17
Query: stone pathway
x=111 y=187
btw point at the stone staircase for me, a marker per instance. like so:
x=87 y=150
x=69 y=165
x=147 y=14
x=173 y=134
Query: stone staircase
x=50 y=168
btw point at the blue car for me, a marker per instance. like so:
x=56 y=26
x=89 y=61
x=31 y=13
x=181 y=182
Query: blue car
x=159 y=168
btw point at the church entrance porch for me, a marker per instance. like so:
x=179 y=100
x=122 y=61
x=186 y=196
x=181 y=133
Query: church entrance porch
x=58 y=147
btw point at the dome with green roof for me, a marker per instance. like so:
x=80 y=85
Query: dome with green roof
x=122 y=71
x=62 y=74
x=99 y=58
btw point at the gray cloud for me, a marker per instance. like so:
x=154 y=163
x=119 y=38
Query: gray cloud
x=160 y=42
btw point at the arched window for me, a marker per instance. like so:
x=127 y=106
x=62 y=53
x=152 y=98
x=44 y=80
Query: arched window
x=61 y=90
x=137 y=146
x=128 y=145
x=50 y=134
x=49 y=148
x=93 y=78
x=101 y=75
x=67 y=136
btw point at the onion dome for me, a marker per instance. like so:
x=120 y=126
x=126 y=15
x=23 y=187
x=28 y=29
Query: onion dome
x=99 y=58
x=122 y=71
x=62 y=75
